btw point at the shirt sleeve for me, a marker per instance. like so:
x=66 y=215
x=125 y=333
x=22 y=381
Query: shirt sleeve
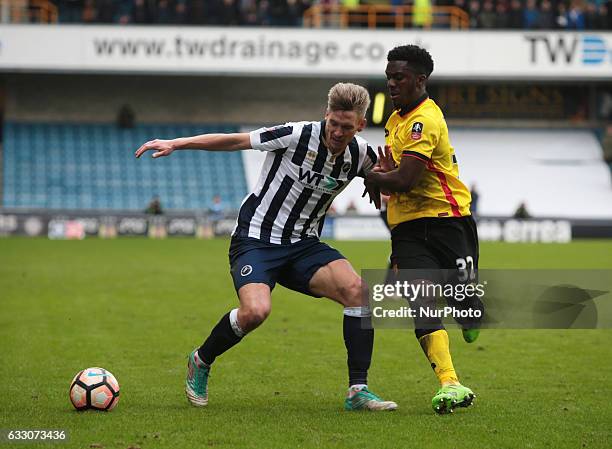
x=369 y=161
x=419 y=137
x=272 y=139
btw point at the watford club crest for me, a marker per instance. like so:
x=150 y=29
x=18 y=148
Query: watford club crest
x=417 y=131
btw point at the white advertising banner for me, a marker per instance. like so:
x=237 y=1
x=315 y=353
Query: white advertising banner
x=360 y=228
x=305 y=52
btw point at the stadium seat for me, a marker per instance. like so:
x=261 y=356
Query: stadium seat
x=92 y=166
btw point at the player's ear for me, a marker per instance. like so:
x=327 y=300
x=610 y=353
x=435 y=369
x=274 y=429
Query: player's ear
x=362 y=124
x=422 y=80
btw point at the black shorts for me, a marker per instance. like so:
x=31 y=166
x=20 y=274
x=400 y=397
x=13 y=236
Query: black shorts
x=435 y=243
x=292 y=265
x=439 y=250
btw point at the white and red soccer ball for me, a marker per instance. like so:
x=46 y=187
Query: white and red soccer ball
x=94 y=388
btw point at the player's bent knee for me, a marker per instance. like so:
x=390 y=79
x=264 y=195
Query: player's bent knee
x=253 y=315
x=255 y=305
x=352 y=293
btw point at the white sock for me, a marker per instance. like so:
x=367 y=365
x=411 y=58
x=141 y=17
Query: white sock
x=359 y=312
x=358 y=387
x=234 y=323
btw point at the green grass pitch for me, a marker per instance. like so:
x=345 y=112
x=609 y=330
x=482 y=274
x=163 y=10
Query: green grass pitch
x=137 y=307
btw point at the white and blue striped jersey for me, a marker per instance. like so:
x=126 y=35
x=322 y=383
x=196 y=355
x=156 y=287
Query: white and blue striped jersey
x=299 y=180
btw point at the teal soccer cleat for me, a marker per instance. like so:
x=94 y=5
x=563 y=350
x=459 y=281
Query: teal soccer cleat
x=196 y=384
x=363 y=399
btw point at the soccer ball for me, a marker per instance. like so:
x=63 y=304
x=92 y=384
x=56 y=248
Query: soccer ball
x=94 y=388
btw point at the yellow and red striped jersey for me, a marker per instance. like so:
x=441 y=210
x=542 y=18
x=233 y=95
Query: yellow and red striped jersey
x=420 y=131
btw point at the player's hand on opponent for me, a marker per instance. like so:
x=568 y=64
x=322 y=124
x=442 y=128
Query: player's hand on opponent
x=161 y=148
x=385 y=164
x=385 y=160
x=373 y=192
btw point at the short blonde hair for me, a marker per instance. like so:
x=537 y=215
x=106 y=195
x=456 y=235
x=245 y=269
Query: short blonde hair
x=348 y=97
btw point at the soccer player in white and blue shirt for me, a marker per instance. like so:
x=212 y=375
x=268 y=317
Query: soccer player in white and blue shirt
x=276 y=238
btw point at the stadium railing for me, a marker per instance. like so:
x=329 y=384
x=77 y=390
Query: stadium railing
x=20 y=11
x=377 y=16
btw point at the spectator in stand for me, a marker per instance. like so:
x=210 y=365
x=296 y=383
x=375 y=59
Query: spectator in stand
x=502 y=20
x=547 y=19
x=228 y=13
x=351 y=209
x=606 y=144
x=90 y=13
x=605 y=106
x=217 y=208
x=124 y=12
x=213 y=10
x=106 y=11
x=474 y=203
x=164 y=12
x=70 y=11
x=197 y=13
x=575 y=16
x=515 y=15
x=154 y=207
x=141 y=13
x=180 y=14
x=474 y=12
x=330 y=19
x=595 y=16
x=278 y=11
x=264 y=12
x=531 y=15
x=296 y=11
x=521 y=212
x=249 y=12
x=562 y=20
x=604 y=11
x=487 y=16
x=126 y=117
x=422 y=16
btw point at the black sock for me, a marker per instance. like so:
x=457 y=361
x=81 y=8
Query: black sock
x=426 y=324
x=359 y=343
x=422 y=332
x=220 y=340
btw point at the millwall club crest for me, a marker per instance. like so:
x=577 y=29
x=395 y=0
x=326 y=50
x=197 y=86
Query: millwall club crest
x=311 y=155
x=346 y=167
x=417 y=131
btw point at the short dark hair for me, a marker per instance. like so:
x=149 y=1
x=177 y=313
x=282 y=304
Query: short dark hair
x=417 y=58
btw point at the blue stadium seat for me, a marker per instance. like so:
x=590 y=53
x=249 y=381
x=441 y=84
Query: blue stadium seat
x=91 y=166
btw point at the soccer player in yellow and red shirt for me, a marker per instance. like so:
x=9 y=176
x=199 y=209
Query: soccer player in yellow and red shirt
x=429 y=207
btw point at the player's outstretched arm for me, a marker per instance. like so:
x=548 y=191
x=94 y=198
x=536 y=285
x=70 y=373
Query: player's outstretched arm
x=207 y=142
